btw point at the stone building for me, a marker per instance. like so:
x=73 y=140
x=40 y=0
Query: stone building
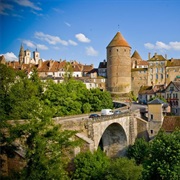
x=25 y=56
x=156 y=70
x=138 y=72
x=172 y=70
x=118 y=65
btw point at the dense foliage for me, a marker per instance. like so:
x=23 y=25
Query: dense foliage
x=163 y=161
x=139 y=150
x=160 y=157
x=20 y=96
x=28 y=98
x=97 y=166
x=124 y=169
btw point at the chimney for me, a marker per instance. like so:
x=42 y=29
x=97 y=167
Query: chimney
x=155 y=54
x=165 y=56
x=149 y=55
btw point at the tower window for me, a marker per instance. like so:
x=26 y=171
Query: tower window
x=124 y=50
x=117 y=50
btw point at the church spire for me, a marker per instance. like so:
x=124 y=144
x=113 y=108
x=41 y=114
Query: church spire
x=21 y=54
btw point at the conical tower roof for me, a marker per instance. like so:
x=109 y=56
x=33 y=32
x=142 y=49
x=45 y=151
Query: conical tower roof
x=118 y=40
x=21 y=52
x=136 y=55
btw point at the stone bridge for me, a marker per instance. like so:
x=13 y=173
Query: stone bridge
x=113 y=134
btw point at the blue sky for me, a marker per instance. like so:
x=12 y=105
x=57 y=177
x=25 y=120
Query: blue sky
x=81 y=29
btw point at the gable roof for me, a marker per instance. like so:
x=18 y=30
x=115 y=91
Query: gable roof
x=170 y=123
x=175 y=83
x=156 y=101
x=118 y=40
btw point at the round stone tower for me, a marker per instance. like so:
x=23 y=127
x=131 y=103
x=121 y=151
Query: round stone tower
x=118 y=65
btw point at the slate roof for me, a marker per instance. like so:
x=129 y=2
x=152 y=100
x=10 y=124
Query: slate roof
x=156 y=101
x=170 y=123
x=118 y=40
x=103 y=64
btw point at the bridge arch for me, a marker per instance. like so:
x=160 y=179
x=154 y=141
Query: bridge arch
x=113 y=140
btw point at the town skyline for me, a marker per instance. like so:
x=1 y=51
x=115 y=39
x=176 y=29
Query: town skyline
x=81 y=30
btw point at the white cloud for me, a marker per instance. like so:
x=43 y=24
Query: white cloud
x=149 y=46
x=50 y=39
x=72 y=43
x=163 y=46
x=68 y=24
x=4 y=7
x=56 y=47
x=31 y=44
x=28 y=3
x=82 y=38
x=90 y=51
x=42 y=47
x=10 y=56
x=175 y=45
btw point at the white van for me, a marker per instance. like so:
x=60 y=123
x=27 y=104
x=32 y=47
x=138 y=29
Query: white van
x=105 y=112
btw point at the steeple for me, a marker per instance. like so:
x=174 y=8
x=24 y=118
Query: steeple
x=21 y=54
x=118 y=40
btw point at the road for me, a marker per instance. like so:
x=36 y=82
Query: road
x=134 y=106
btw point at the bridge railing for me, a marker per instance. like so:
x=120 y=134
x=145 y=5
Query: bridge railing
x=109 y=117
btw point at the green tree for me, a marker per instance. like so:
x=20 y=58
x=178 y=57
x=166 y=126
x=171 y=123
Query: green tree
x=90 y=165
x=100 y=99
x=47 y=147
x=139 y=150
x=164 y=159
x=7 y=78
x=123 y=169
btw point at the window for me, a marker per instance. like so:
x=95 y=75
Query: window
x=151 y=116
x=161 y=76
x=156 y=70
x=171 y=89
x=156 y=76
x=151 y=131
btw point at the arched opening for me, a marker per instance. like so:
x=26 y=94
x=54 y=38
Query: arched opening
x=114 y=141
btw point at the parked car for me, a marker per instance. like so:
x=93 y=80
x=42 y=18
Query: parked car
x=116 y=112
x=94 y=116
x=105 y=112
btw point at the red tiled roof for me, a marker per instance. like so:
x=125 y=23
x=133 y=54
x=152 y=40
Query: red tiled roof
x=136 y=55
x=118 y=40
x=142 y=63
